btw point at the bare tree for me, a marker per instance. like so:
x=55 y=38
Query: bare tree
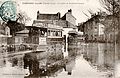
x=112 y=6
x=19 y=24
x=22 y=18
x=86 y=14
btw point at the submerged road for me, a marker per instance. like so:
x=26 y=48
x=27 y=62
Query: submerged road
x=91 y=60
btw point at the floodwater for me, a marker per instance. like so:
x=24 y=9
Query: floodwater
x=82 y=60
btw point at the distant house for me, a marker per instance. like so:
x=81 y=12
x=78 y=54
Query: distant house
x=4 y=29
x=7 y=31
x=19 y=37
x=23 y=33
x=93 y=28
x=31 y=38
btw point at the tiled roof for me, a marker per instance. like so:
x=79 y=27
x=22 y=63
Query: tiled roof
x=48 y=17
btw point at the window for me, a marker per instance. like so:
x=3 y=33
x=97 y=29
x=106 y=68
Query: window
x=95 y=35
x=56 y=33
x=48 y=32
x=95 y=27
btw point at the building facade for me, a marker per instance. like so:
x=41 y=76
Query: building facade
x=69 y=19
x=67 y=22
x=93 y=28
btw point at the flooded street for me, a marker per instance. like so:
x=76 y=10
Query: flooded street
x=60 y=39
x=83 y=60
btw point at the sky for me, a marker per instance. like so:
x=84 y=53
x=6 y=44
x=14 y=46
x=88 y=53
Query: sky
x=30 y=7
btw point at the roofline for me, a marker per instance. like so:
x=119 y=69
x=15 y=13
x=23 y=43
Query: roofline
x=71 y=14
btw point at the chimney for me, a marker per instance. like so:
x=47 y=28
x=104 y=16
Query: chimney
x=58 y=14
x=70 y=11
x=99 y=13
x=38 y=14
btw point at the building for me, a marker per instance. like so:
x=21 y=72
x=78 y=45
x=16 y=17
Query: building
x=17 y=43
x=37 y=36
x=69 y=18
x=53 y=34
x=58 y=27
x=4 y=35
x=67 y=21
x=93 y=28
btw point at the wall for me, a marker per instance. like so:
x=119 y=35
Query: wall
x=70 y=18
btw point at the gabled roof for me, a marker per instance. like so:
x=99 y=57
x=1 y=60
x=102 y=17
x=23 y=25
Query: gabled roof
x=69 y=12
x=64 y=17
x=25 y=31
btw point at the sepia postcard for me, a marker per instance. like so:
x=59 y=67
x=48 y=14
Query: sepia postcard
x=59 y=38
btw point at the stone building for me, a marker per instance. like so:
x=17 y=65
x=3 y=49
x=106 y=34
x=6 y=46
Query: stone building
x=66 y=23
x=93 y=28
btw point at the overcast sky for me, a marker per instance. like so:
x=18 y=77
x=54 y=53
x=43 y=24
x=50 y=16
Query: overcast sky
x=53 y=6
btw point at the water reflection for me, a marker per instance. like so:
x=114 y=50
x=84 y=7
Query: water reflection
x=69 y=67
x=11 y=67
x=100 y=55
x=97 y=60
